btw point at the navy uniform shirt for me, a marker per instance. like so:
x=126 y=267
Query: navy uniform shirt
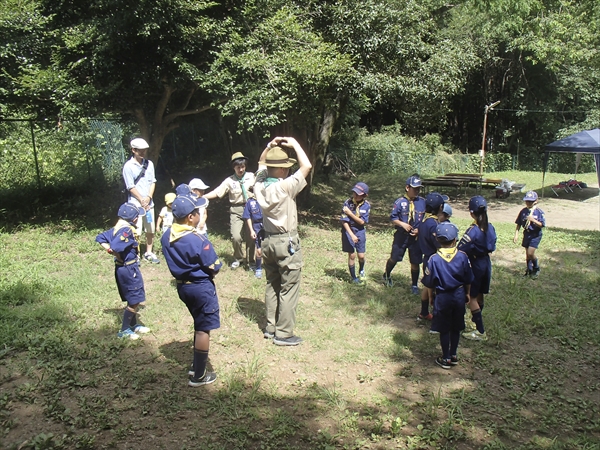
x=530 y=228
x=361 y=210
x=189 y=255
x=253 y=211
x=122 y=241
x=448 y=269
x=402 y=211
x=427 y=240
x=476 y=243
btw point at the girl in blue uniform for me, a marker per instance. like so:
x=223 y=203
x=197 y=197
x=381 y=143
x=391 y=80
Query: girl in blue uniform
x=121 y=242
x=532 y=219
x=449 y=274
x=478 y=242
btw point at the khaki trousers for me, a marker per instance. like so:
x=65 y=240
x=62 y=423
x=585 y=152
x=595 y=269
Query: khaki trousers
x=240 y=235
x=283 y=274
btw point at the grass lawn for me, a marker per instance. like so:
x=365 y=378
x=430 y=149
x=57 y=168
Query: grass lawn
x=363 y=378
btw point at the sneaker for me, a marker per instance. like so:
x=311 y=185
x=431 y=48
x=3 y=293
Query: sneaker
x=427 y=317
x=141 y=329
x=127 y=334
x=414 y=290
x=358 y=282
x=432 y=331
x=209 y=377
x=475 y=336
x=387 y=281
x=290 y=341
x=234 y=265
x=149 y=256
x=454 y=360
x=526 y=274
x=443 y=363
x=268 y=334
x=362 y=275
x=535 y=273
x=191 y=372
x=258 y=273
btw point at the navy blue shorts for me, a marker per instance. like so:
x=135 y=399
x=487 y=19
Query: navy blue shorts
x=130 y=284
x=402 y=242
x=482 y=275
x=350 y=247
x=530 y=240
x=202 y=303
x=449 y=311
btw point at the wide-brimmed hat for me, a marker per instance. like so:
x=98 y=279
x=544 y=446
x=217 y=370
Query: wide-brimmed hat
x=277 y=157
x=129 y=211
x=238 y=158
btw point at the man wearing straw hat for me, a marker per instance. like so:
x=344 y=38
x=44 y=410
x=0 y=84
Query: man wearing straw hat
x=276 y=193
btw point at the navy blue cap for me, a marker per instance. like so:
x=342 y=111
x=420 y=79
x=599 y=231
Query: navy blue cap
x=361 y=188
x=129 y=211
x=434 y=200
x=183 y=205
x=531 y=196
x=477 y=203
x=183 y=189
x=446 y=231
x=414 y=181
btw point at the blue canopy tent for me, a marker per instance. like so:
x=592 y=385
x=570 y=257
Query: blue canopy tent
x=587 y=141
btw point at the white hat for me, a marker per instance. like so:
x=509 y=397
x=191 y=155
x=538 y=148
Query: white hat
x=139 y=144
x=197 y=183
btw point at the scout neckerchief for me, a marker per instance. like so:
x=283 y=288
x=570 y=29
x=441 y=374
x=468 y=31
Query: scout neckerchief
x=270 y=180
x=430 y=216
x=357 y=206
x=529 y=216
x=241 y=181
x=121 y=223
x=447 y=253
x=179 y=230
x=411 y=209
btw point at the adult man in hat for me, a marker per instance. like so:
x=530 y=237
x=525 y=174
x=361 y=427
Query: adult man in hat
x=282 y=257
x=138 y=174
x=237 y=186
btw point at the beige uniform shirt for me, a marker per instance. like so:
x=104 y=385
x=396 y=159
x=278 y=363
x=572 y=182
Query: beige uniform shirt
x=278 y=202
x=233 y=187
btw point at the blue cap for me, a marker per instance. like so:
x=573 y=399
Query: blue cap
x=129 y=211
x=183 y=205
x=446 y=231
x=414 y=181
x=434 y=200
x=477 y=203
x=531 y=196
x=361 y=188
x=183 y=189
x=447 y=209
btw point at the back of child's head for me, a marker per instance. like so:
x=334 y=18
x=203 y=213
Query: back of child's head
x=433 y=202
x=478 y=207
x=169 y=198
x=446 y=233
x=129 y=212
x=447 y=211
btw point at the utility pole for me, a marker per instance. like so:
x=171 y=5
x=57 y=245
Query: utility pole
x=488 y=108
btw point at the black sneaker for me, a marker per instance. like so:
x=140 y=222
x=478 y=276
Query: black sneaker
x=527 y=273
x=290 y=341
x=454 y=360
x=209 y=377
x=535 y=273
x=443 y=363
x=268 y=334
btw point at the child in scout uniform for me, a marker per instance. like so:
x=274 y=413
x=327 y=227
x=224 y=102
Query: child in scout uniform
x=434 y=203
x=448 y=273
x=355 y=215
x=237 y=187
x=532 y=219
x=121 y=242
x=445 y=213
x=254 y=219
x=406 y=216
x=198 y=187
x=193 y=262
x=165 y=218
x=478 y=242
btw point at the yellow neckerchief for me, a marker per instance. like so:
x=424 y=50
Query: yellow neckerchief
x=121 y=223
x=430 y=216
x=179 y=230
x=411 y=208
x=447 y=253
x=358 y=205
x=529 y=216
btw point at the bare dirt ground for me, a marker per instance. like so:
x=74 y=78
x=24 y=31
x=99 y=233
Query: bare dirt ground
x=577 y=210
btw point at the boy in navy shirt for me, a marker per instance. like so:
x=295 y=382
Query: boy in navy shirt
x=355 y=215
x=254 y=220
x=121 y=242
x=406 y=216
x=532 y=219
x=193 y=262
x=448 y=273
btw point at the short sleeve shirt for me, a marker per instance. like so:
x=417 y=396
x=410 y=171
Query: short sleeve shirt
x=478 y=243
x=446 y=275
x=131 y=170
x=402 y=211
x=232 y=186
x=191 y=257
x=121 y=240
x=538 y=214
x=362 y=210
x=278 y=201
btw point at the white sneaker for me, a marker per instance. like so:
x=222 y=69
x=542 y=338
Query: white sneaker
x=149 y=256
x=140 y=329
x=234 y=265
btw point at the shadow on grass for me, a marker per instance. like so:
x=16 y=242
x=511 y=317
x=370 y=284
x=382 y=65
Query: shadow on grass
x=253 y=310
